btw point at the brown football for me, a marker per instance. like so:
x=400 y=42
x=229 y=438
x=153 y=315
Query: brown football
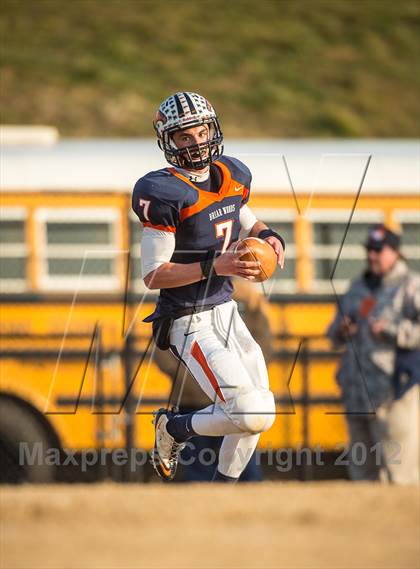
x=256 y=249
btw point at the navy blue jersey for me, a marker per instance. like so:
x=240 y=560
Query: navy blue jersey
x=204 y=218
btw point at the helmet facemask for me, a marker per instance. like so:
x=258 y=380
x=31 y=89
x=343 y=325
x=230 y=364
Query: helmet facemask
x=195 y=156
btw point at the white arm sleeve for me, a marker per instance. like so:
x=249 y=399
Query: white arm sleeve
x=157 y=248
x=247 y=219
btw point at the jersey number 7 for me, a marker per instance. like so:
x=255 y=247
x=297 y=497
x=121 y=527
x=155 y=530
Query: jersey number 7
x=145 y=204
x=224 y=229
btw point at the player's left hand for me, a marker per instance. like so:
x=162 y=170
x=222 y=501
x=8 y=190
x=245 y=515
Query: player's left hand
x=278 y=248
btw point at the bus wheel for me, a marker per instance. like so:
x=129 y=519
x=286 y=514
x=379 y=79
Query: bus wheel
x=23 y=443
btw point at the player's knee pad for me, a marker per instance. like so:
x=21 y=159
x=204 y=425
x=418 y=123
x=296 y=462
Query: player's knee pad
x=252 y=410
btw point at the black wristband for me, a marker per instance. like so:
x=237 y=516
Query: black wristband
x=207 y=268
x=270 y=233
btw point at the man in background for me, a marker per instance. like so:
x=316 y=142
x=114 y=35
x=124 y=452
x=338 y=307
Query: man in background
x=378 y=323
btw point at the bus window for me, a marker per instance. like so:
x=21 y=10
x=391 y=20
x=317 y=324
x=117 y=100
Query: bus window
x=79 y=248
x=13 y=251
x=327 y=237
x=409 y=221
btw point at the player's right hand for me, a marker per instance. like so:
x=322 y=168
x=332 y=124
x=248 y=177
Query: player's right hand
x=230 y=265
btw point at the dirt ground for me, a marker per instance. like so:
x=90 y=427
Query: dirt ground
x=253 y=526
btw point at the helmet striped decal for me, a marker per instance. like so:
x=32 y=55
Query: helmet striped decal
x=179 y=107
x=190 y=104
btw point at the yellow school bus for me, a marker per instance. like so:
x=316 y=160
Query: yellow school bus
x=77 y=370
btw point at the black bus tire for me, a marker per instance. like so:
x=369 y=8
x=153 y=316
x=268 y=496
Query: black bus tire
x=22 y=435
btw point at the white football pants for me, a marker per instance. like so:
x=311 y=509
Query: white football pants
x=226 y=361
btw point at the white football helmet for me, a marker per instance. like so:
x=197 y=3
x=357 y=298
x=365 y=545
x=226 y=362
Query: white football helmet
x=186 y=110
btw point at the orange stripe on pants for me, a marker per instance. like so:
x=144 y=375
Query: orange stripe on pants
x=198 y=355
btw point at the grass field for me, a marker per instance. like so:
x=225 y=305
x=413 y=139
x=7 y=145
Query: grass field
x=280 y=68
x=252 y=526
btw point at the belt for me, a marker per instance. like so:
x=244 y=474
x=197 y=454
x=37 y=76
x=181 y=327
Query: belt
x=192 y=310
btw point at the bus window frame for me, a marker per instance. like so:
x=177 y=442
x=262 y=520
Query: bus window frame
x=318 y=251
x=402 y=216
x=16 y=250
x=71 y=283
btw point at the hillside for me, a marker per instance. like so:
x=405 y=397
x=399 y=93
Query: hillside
x=271 y=68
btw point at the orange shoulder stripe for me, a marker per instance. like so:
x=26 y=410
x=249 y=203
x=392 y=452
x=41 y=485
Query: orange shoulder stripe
x=206 y=199
x=169 y=228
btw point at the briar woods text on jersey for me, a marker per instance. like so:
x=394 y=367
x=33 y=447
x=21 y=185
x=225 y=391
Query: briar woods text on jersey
x=221 y=211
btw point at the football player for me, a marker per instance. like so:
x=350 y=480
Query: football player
x=193 y=213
